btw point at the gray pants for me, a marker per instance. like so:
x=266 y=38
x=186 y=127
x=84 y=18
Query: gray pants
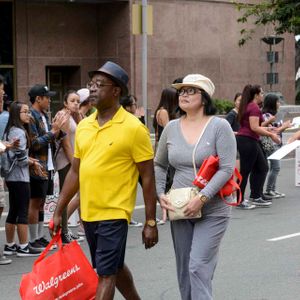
x=273 y=174
x=196 y=243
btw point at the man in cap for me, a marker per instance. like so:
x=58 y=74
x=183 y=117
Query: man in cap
x=42 y=140
x=112 y=147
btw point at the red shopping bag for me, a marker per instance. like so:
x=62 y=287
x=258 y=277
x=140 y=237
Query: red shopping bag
x=66 y=274
x=207 y=170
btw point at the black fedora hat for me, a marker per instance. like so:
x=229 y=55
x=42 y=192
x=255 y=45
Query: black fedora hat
x=115 y=73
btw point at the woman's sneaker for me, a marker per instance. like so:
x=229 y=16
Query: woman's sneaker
x=134 y=223
x=271 y=194
x=260 y=202
x=76 y=237
x=160 y=221
x=27 y=251
x=246 y=205
x=36 y=245
x=281 y=195
x=10 y=250
x=44 y=242
x=4 y=260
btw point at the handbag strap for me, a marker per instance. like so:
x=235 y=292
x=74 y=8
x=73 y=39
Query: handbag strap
x=198 y=141
x=55 y=240
x=237 y=187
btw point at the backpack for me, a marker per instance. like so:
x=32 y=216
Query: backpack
x=7 y=164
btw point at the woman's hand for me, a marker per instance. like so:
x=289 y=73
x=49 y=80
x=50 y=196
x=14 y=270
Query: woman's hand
x=61 y=120
x=275 y=138
x=287 y=124
x=37 y=167
x=165 y=205
x=194 y=206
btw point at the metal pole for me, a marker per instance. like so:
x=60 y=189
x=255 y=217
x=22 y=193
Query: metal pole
x=144 y=59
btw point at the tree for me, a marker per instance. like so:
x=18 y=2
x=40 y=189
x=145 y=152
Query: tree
x=283 y=15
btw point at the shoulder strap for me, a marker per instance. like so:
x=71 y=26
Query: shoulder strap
x=198 y=141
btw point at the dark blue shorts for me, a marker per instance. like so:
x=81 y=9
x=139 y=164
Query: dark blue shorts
x=107 y=242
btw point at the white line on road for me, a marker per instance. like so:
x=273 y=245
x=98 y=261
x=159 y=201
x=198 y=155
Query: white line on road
x=284 y=237
x=5 y=214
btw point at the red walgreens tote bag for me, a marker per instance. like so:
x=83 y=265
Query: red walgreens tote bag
x=207 y=170
x=66 y=274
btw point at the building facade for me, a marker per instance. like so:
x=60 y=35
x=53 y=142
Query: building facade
x=58 y=42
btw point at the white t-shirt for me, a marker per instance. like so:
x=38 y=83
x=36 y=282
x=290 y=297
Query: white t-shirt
x=50 y=165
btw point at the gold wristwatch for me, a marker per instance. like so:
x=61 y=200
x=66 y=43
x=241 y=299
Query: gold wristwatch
x=151 y=223
x=202 y=198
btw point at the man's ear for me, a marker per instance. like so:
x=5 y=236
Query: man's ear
x=117 y=91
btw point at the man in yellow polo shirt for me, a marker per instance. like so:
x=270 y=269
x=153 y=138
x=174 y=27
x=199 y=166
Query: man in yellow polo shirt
x=112 y=147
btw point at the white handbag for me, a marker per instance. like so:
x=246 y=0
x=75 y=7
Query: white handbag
x=179 y=199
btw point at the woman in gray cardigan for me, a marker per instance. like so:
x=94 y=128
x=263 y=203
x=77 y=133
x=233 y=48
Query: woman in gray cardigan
x=17 y=181
x=196 y=241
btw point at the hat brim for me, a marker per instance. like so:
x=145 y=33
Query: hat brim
x=114 y=79
x=178 y=86
x=50 y=94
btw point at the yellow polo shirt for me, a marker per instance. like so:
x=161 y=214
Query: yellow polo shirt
x=108 y=173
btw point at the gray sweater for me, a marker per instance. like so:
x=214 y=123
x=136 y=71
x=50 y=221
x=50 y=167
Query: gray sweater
x=218 y=139
x=20 y=172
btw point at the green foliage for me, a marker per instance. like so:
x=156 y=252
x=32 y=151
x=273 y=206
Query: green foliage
x=223 y=106
x=284 y=15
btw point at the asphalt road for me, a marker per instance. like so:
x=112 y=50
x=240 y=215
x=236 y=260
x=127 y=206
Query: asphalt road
x=250 y=266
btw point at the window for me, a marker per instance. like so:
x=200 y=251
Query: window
x=7 y=46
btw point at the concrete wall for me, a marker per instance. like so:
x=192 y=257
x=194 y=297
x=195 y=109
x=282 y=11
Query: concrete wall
x=82 y=35
x=202 y=37
x=189 y=37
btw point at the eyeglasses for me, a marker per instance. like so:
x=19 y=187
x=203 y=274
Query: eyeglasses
x=98 y=84
x=190 y=91
x=26 y=112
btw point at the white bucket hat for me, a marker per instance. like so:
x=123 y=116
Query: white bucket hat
x=83 y=94
x=197 y=81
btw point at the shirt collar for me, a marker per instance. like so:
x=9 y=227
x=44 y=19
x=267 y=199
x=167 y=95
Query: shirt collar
x=118 y=117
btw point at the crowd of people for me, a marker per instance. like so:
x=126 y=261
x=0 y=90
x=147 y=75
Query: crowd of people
x=101 y=149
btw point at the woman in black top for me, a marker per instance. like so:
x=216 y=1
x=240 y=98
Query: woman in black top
x=231 y=117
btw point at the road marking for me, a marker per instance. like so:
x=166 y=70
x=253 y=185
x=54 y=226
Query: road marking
x=4 y=214
x=284 y=237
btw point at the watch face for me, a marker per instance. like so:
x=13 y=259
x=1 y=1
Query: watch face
x=151 y=223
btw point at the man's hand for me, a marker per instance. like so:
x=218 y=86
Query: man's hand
x=150 y=236
x=55 y=224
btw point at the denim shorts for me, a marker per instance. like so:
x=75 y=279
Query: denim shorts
x=107 y=243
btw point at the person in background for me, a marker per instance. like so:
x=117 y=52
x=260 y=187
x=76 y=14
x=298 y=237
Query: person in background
x=18 y=184
x=111 y=149
x=84 y=107
x=3 y=259
x=85 y=103
x=64 y=155
x=165 y=111
x=252 y=158
x=196 y=241
x=42 y=140
x=294 y=137
x=232 y=116
x=270 y=108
